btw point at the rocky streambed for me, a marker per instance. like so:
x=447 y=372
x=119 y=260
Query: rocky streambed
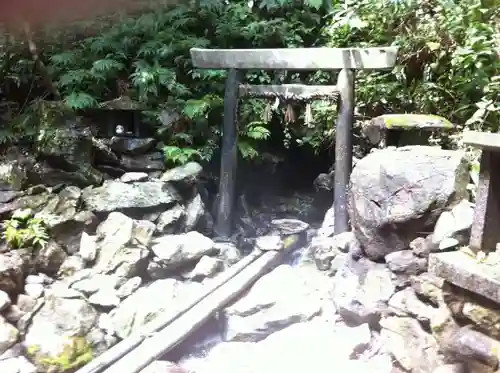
x=120 y=254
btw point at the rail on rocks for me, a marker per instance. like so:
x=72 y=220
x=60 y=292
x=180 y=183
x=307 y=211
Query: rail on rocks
x=160 y=336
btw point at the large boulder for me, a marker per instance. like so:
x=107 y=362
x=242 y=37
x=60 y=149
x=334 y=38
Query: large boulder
x=65 y=142
x=396 y=194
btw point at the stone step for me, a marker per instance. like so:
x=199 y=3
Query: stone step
x=467 y=272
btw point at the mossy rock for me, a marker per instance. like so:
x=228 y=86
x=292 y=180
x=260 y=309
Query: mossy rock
x=411 y=121
x=75 y=354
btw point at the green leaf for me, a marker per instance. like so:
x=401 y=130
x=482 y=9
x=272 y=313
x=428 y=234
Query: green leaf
x=80 y=100
x=257 y=132
x=107 y=65
x=316 y=4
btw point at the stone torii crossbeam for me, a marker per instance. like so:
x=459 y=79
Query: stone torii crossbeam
x=347 y=60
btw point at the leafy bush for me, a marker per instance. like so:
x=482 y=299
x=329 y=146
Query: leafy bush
x=24 y=231
x=448 y=65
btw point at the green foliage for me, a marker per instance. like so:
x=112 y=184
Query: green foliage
x=24 y=231
x=448 y=65
x=76 y=353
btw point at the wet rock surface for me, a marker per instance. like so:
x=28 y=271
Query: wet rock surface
x=140 y=245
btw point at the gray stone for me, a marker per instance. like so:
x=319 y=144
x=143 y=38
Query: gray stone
x=228 y=252
x=466 y=272
x=129 y=287
x=362 y=290
x=406 y=303
x=266 y=308
x=34 y=290
x=11 y=272
x=405 y=262
x=88 y=247
x=207 y=267
x=186 y=174
x=130 y=145
x=50 y=258
x=4 y=301
x=179 y=249
x=451 y=368
x=170 y=221
x=116 y=195
x=130 y=177
x=195 y=209
x=325 y=248
x=8 y=335
x=269 y=243
x=289 y=226
x=413 y=348
x=161 y=297
x=122 y=245
x=397 y=193
x=471 y=345
x=455 y=223
x=56 y=324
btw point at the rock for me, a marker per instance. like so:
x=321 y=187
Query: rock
x=413 y=348
x=266 y=308
x=161 y=297
x=160 y=366
x=66 y=223
x=59 y=328
x=115 y=195
x=179 y=249
x=131 y=177
x=88 y=247
x=477 y=310
x=471 y=345
x=428 y=287
x=129 y=287
x=289 y=227
x=131 y=145
x=186 y=175
x=122 y=245
x=8 y=335
x=195 y=210
x=4 y=301
x=207 y=267
x=170 y=221
x=454 y=223
x=396 y=193
x=404 y=262
x=34 y=290
x=143 y=163
x=451 y=368
x=11 y=272
x=49 y=258
x=406 y=303
x=422 y=247
x=328 y=226
x=71 y=265
x=94 y=282
x=325 y=249
x=228 y=252
x=67 y=144
x=269 y=243
x=17 y=364
x=362 y=290
x=314 y=342
x=105 y=297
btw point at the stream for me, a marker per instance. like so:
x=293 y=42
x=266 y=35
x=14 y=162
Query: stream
x=286 y=322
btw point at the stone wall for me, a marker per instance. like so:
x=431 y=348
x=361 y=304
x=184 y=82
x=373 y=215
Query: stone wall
x=409 y=209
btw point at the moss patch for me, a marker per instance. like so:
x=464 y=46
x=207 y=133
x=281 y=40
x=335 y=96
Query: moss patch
x=76 y=353
x=416 y=121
